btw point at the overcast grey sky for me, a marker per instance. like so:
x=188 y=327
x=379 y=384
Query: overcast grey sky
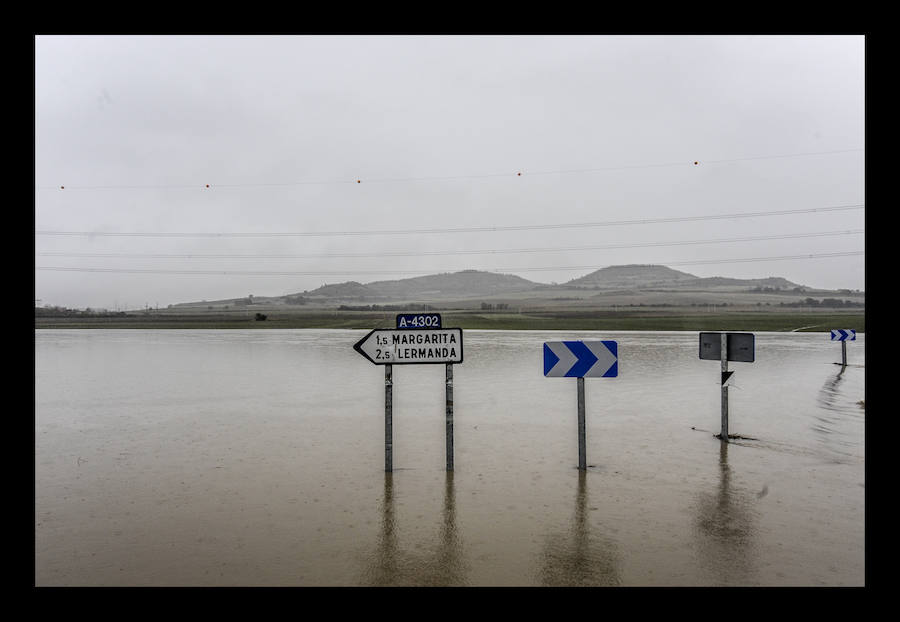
x=542 y=156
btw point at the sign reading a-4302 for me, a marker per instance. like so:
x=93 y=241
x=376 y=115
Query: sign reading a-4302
x=419 y=320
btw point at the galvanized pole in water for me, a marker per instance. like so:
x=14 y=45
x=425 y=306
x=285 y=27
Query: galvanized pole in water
x=388 y=419
x=724 y=434
x=844 y=353
x=582 y=459
x=449 y=416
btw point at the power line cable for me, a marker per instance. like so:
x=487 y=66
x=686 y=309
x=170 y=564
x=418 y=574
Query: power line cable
x=382 y=272
x=482 y=229
x=442 y=253
x=519 y=173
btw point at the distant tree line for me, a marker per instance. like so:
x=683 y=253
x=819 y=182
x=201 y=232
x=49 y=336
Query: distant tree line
x=500 y=306
x=568 y=286
x=55 y=311
x=825 y=302
x=798 y=290
x=413 y=307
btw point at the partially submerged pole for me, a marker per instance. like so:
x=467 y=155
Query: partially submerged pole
x=449 y=383
x=724 y=433
x=388 y=419
x=582 y=457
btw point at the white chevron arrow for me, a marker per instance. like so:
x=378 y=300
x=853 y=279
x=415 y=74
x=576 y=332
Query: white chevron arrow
x=605 y=358
x=566 y=358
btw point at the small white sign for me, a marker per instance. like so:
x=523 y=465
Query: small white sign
x=416 y=346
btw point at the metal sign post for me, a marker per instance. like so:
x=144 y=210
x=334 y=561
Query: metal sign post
x=449 y=424
x=724 y=347
x=582 y=444
x=408 y=346
x=725 y=378
x=581 y=359
x=843 y=335
x=388 y=419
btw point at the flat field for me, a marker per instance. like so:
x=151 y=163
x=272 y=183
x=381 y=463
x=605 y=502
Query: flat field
x=629 y=318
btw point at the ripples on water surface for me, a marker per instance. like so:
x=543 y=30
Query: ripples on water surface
x=257 y=458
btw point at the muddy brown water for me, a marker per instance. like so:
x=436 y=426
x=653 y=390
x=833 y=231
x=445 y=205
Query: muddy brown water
x=256 y=458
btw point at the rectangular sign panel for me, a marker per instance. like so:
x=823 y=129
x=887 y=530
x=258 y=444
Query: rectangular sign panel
x=581 y=359
x=741 y=347
x=419 y=320
x=843 y=334
x=412 y=346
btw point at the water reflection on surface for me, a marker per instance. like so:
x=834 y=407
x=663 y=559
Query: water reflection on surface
x=579 y=557
x=837 y=410
x=830 y=394
x=393 y=565
x=725 y=529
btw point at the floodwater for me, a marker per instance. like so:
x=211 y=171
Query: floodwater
x=257 y=458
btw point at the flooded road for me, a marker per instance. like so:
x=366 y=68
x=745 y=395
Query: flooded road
x=256 y=458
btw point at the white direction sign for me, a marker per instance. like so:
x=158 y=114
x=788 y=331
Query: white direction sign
x=412 y=346
x=581 y=359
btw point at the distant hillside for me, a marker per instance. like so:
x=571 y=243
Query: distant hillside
x=456 y=284
x=632 y=277
x=350 y=289
x=775 y=282
x=641 y=277
x=637 y=280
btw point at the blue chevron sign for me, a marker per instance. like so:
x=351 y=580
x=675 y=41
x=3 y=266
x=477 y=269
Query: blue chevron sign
x=581 y=359
x=843 y=334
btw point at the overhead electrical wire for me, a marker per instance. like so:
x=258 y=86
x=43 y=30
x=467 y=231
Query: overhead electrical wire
x=386 y=271
x=518 y=173
x=447 y=230
x=442 y=253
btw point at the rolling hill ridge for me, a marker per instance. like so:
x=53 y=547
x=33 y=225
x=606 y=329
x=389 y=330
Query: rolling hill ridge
x=633 y=279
